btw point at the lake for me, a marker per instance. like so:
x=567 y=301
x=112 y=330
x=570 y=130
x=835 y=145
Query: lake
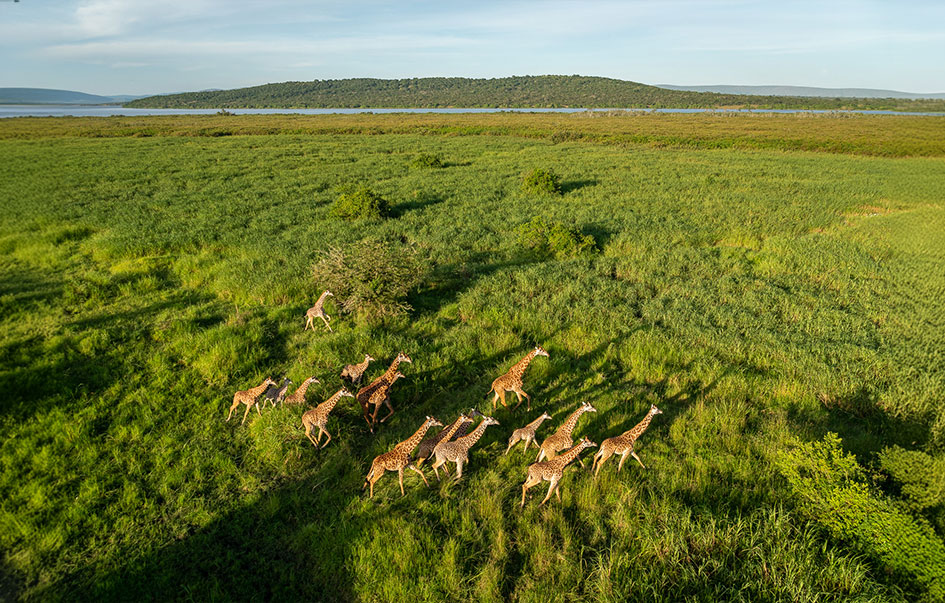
x=108 y=110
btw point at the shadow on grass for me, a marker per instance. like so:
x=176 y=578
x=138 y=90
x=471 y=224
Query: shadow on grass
x=421 y=202
x=572 y=185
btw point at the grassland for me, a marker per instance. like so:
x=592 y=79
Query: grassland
x=765 y=280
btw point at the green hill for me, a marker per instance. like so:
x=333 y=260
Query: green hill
x=545 y=91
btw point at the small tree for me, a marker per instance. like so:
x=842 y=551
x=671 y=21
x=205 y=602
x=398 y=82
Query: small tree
x=426 y=160
x=545 y=238
x=540 y=181
x=360 y=204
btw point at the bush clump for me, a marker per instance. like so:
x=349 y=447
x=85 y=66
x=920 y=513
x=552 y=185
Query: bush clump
x=426 y=161
x=372 y=278
x=554 y=239
x=920 y=477
x=540 y=181
x=360 y=204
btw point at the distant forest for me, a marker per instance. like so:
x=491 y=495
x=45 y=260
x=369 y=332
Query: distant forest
x=545 y=91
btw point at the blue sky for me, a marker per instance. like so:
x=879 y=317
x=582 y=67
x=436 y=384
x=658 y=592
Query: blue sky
x=150 y=46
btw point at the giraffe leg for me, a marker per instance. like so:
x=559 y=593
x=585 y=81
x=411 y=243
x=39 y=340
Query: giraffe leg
x=518 y=392
x=308 y=323
x=634 y=455
x=501 y=393
x=328 y=439
x=232 y=408
x=308 y=434
x=512 y=442
x=541 y=454
x=529 y=482
x=326 y=324
x=601 y=458
x=400 y=478
x=417 y=469
x=551 y=488
x=388 y=405
x=436 y=464
x=459 y=470
x=558 y=492
x=248 y=407
x=494 y=400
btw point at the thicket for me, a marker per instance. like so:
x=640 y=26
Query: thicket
x=545 y=238
x=371 y=279
x=541 y=181
x=832 y=489
x=426 y=161
x=360 y=203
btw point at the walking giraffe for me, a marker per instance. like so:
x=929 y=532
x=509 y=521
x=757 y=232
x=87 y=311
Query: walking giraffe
x=561 y=439
x=425 y=449
x=458 y=450
x=623 y=444
x=354 y=372
x=527 y=433
x=364 y=394
x=250 y=398
x=381 y=397
x=317 y=311
x=512 y=381
x=398 y=459
x=318 y=417
x=298 y=396
x=551 y=471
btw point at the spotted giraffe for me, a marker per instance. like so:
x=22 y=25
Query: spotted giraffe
x=275 y=394
x=457 y=451
x=318 y=417
x=298 y=396
x=527 y=434
x=354 y=372
x=512 y=381
x=623 y=444
x=398 y=459
x=317 y=311
x=552 y=470
x=425 y=449
x=561 y=439
x=364 y=394
x=250 y=398
x=381 y=397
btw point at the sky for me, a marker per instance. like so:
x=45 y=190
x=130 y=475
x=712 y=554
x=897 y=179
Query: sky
x=156 y=46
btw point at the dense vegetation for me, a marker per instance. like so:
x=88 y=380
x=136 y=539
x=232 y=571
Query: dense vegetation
x=765 y=297
x=544 y=91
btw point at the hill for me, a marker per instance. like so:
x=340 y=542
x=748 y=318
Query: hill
x=49 y=96
x=806 y=91
x=545 y=91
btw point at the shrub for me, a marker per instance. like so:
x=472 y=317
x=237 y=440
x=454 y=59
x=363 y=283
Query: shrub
x=831 y=489
x=426 y=160
x=546 y=239
x=372 y=278
x=921 y=478
x=541 y=182
x=360 y=204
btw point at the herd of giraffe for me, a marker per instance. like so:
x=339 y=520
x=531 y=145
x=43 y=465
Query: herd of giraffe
x=454 y=441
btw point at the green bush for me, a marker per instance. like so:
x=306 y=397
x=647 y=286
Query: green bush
x=920 y=477
x=831 y=489
x=360 y=204
x=426 y=160
x=547 y=239
x=372 y=278
x=541 y=182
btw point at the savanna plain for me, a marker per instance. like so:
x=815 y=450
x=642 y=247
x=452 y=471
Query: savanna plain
x=775 y=284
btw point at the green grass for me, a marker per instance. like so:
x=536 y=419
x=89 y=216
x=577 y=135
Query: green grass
x=760 y=295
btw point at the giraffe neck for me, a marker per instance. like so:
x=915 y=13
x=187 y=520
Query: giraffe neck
x=303 y=388
x=331 y=402
x=389 y=375
x=519 y=369
x=534 y=424
x=469 y=440
x=640 y=427
x=568 y=426
x=410 y=443
x=256 y=391
x=446 y=434
x=571 y=454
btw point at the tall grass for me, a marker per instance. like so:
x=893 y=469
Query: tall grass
x=759 y=297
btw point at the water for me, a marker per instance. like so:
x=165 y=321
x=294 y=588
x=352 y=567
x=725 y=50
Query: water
x=108 y=110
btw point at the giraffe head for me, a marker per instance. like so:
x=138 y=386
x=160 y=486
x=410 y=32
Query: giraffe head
x=654 y=410
x=587 y=443
x=489 y=421
x=286 y=380
x=464 y=418
x=397 y=375
x=312 y=379
x=269 y=381
x=545 y=416
x=344 y=392
x=432 y=422
x=540 y=351
x=402 y=357
x=368 y=358
x=329 y=293
x=474 y=412
x=586 y=407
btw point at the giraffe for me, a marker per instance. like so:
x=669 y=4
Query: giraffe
x=250 y=398
x=364 y=394
x=527 y=433
x=512 y=381
x=464 y=428
x=354 y=372
x=552 y=470
x=317 y=311
x=298 y=396
x=398 y=459
x=425 y=450
x=381 y=396
x=276 y=394
x=457 y=451
x=318 y=417
x=623 y=444
x=561 y=439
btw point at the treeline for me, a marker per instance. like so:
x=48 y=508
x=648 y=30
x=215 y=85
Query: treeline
x=545 y=91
